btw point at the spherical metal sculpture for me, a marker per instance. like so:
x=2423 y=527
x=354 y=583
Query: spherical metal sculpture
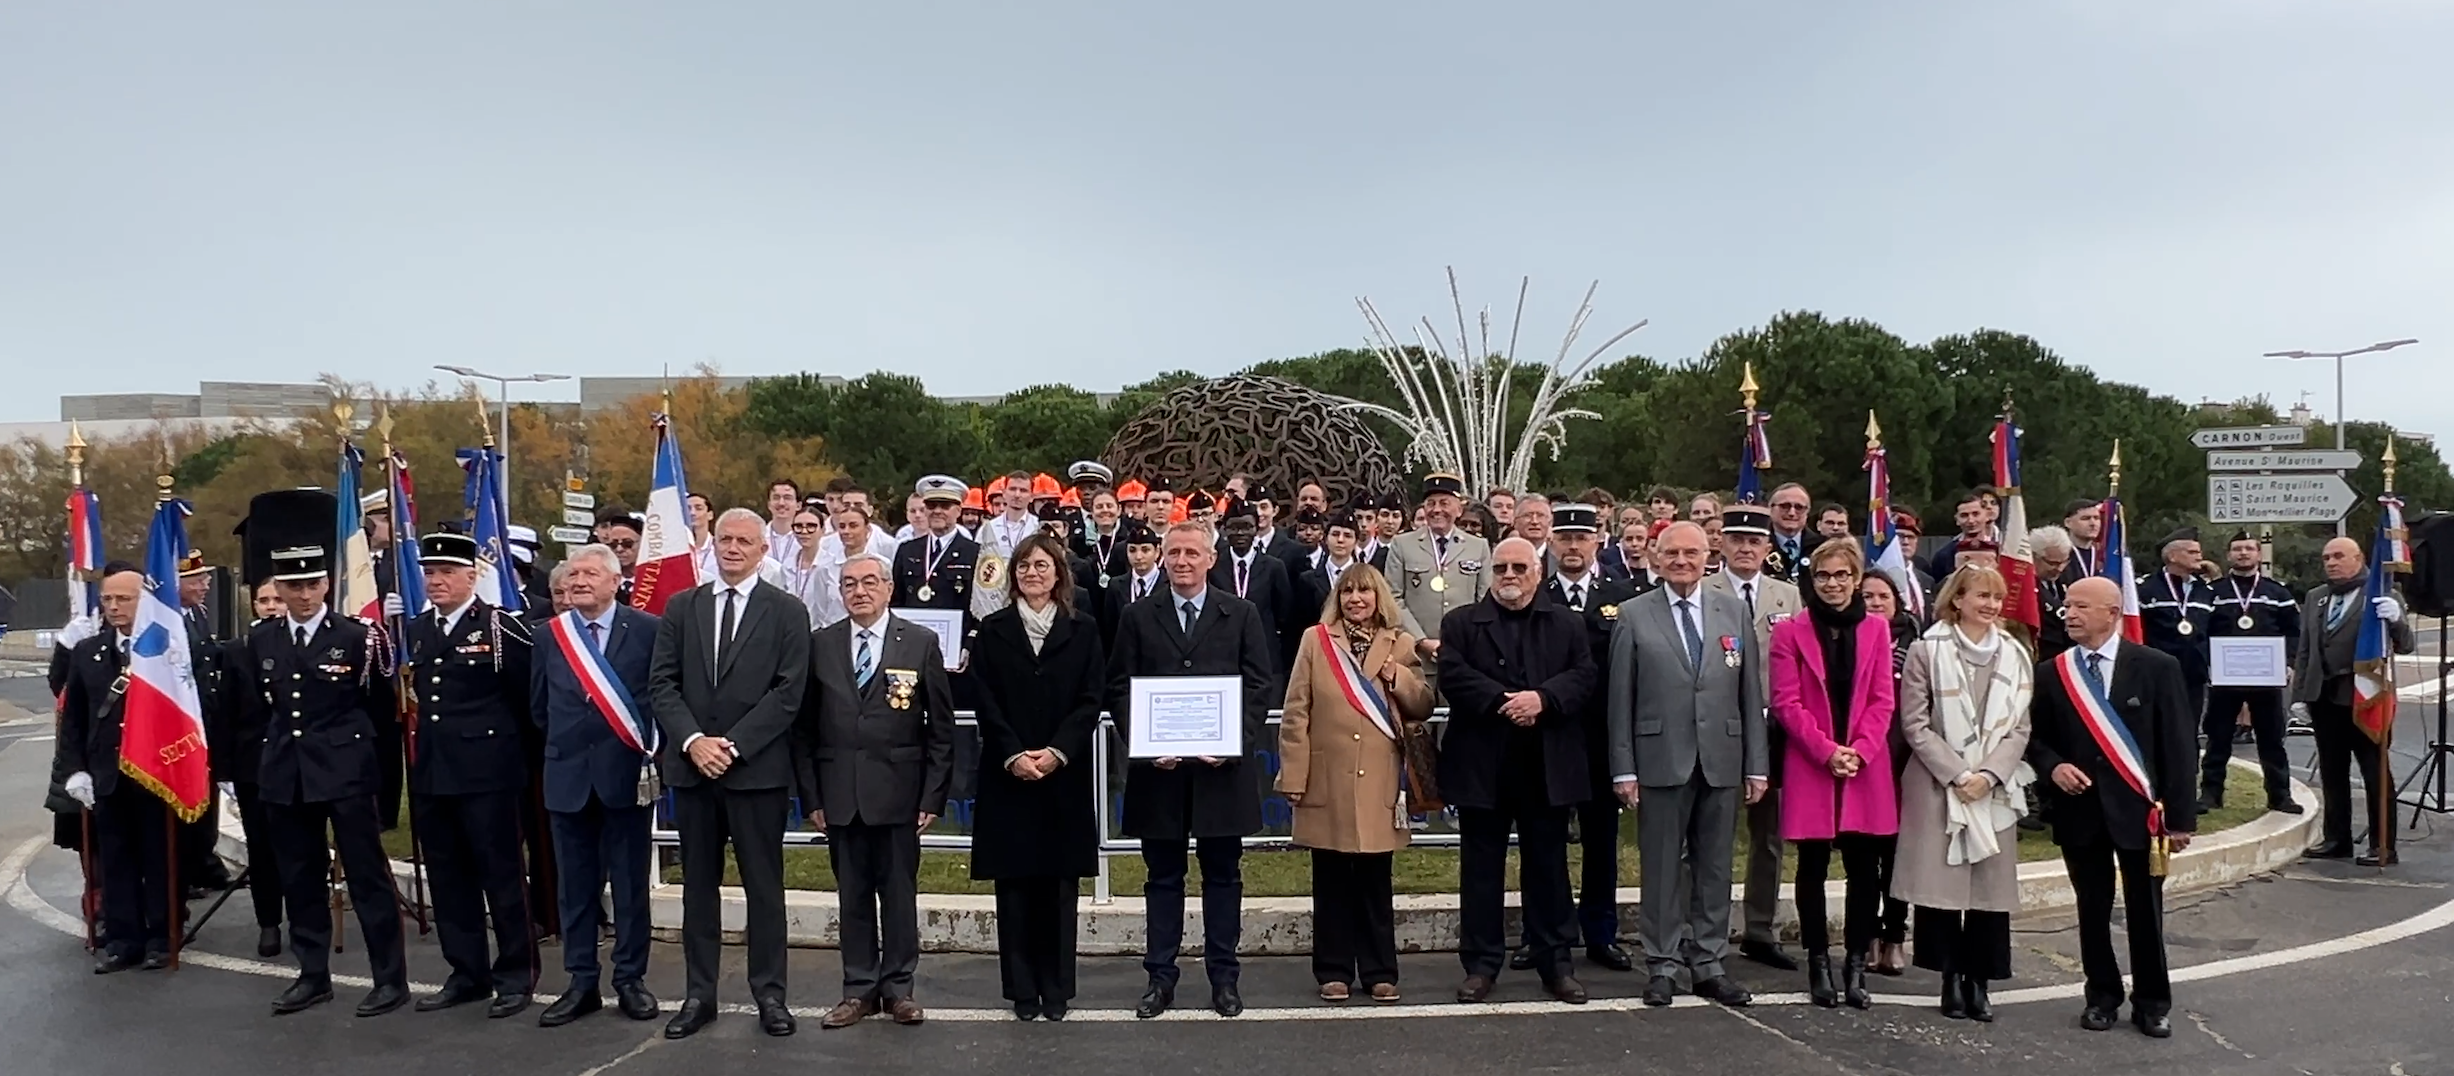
x=1273 y=429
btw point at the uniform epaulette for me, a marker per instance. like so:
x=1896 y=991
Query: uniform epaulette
x=379 y=656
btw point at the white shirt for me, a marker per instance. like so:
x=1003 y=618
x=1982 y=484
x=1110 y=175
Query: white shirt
x=1006 y=532
x=880 y=543
x=1241 y=570
x=311 y=625
x=1579 y=590
x=1147 y=584
x=1333 y=569
x=715 y=613
x=2104 y=669
x=451 y=619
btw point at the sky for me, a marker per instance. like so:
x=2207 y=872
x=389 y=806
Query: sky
x=993 y=195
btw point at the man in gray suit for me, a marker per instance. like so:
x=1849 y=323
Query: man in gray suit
x=1686 y=746
x=1746 y=551
x=2322 y=678
x=731 y=665
x=877 y=756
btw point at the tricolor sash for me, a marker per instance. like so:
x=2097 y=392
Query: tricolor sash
x=2112 y=737
x=1357 y=687
x=598 y=682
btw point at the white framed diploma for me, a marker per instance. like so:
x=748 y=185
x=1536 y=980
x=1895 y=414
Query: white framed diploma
x=947 y=623
x=2245 y=660
x=1185 y=717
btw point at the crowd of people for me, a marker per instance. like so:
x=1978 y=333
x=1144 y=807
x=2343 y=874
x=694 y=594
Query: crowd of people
x=1691 y=662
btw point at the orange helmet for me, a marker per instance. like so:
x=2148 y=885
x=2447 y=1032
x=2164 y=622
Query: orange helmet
x=996 y=486
x=1132 y=492
x=974 y=500
x=1043 y=486
x=1179 y=511
x=1071 y=498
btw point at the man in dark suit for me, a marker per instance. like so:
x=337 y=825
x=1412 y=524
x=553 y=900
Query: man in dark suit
x=731 y=666
x=875 y=759
x=2101 y=814
x=1193 y=629
x=599 y=778
x=2322 y=679
x=1242 y=569
x=131 y=838
x=468 y=779
x=1518 y=673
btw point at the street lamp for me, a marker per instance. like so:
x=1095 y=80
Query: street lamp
x=2339 y=356
x=504 y=381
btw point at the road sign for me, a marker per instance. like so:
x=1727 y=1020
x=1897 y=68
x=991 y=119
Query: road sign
x=569 y=535
x=579 y=500
x=2328 y=459
x=579 y=517
x=2316 y=498
x=2249 y=436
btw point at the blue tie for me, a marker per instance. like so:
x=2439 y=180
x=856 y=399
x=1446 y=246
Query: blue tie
x=863 y=665
x=1695 y=639
x=2096 y=671
x=595 y=637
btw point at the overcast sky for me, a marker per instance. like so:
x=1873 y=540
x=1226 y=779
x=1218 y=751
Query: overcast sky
x=990 y=195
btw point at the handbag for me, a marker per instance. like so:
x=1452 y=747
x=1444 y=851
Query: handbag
x=1422 y=752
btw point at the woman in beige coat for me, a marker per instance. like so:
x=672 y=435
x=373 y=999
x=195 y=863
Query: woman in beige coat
x=1964 y=695
x=1354 y=691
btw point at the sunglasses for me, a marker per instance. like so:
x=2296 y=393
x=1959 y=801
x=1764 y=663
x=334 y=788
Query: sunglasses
x=1512 y=569
x=622 y=543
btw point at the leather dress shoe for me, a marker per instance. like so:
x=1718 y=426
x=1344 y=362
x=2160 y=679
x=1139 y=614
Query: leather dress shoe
x=453 y=993
x=383 y=999
x=2095 y=1019
x=1660 y=991
x=635 y=1001
x=1768 y=954
x=1725 y=990
x=1566 y=989
x=505 y=1006
x=2285 y=806
x=775 y=1018
x=1155 y=1001
x=1979 y=1004
x=572 y=1005
x=304 y=993
x=106 y=962
x=1027 y=1011
x=2375 y=858
x=1522 y=959
x=1053 y=1011
x=1225 y=1001
x=906 y=1012
x=846 y=1013
x=2157 y=1026
x=694 y=1016
x=156 y=959
x=2209 y=803
x=1612 y=956
x=2331 y=850
x=1475 y=990
x=268 y=941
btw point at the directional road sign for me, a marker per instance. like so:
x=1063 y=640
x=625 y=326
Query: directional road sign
x=576 y=499
x=2281 y=498
x=579 y=517
x=2249 y=436
x=2326 y=459
x=568 y=535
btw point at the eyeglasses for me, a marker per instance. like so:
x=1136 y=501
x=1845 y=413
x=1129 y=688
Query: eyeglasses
x=1842 y=576
x=622 y=543
x=805 y=528
x=1512 y=569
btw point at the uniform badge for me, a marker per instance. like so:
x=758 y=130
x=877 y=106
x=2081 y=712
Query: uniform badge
x=335 y=654
x=1470 y=566
x=268 y=665
x=1610 y=612
x=900 y=684
x=1729 y=650
x=476 y=634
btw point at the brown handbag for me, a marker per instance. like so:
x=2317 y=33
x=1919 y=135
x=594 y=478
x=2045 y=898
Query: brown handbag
x=1422 y=751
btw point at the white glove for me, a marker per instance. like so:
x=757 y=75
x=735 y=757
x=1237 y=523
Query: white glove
x=2388 y=608
x=80 y=787
x=230 y=792
x=78 y=630
x=391 y=605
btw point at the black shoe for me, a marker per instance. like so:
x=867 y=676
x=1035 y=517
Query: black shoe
x=1225 y=1001
x=1566 y=990
x=1980 y=1005
x=1475 y=990
x=1725 y=990
x=506 y=1005
x=1026 y=1011
x=572 y=1005
x=1955 y=997
x=304 y=993
x=2209 y=803
x=2375 y=858
x=1660 y=990
x=694 y=1016
x=635 y=1001
x=1155 y=1000
x=383 y=999
x=156 y=959
x=774 y=1018
x=1053 y=1011
x=1819 y=980
x=2029 y=823
x=2331 y=850
x=1768 y=954
x=107 y=962
x=2285 y=806
x=453 y=993
x=2158 y=1026
x=268 y=942
x=2095 y=1019
x=1522 y=959
x=1612 y=956
x=1853 y=982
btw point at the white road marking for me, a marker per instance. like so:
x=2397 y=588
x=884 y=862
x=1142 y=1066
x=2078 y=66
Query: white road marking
x=21 y=896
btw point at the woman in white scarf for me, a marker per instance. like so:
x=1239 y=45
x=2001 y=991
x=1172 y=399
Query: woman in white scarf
x=1964 y=695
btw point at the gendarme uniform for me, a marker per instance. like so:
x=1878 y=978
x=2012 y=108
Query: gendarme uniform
x=468 y=768
x=1597 y=599
x=2250 y=604
x=2174 y=611
x=1432 y=574
x=933 y=572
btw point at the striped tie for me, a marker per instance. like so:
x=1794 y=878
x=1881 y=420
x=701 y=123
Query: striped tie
x=863 y=664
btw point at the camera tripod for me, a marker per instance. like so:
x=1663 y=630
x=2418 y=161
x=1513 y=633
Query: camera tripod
x=2425 y=788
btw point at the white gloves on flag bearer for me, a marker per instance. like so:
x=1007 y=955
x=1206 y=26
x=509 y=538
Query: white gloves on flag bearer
x=2388 y=608
x=80 y=787
x=391 y=606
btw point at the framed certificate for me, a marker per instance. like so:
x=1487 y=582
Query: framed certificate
x=947 y=623
x=2245 y=660
x=1185 y=716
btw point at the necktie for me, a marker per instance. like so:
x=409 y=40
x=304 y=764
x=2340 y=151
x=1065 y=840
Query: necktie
x=1189 y=613
x=2334 y=610
x=1695 y=639
x=862 y=663
x=596 y=637
x=724 y=630
x=1576 y=596
x=1141 y=589
x=1243 y=568
x=298 y=635
x=1441 y=549
x=1747 y=590
x=2096 y=669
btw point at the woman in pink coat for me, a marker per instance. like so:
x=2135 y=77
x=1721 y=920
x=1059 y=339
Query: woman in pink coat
x=1832 y=692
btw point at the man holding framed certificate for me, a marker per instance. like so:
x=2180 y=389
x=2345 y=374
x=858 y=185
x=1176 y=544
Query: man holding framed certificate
x=1184 y=783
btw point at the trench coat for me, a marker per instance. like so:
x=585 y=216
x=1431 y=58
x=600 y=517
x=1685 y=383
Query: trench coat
x=1344 y=768
x=1920 y=873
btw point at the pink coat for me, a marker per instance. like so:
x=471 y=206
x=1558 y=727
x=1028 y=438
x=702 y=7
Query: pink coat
x=1814 y=804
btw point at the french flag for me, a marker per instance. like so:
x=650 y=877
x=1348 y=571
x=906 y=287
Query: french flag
x=2373 y=651
x=354 y=589
x=2117 y=568
x=84 y=552
x=162 y=734
x=2016 y=561
x=666 y=566
x=1883 y=552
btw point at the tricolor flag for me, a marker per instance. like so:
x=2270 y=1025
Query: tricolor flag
x=2016 y=561
x=1883 y=552
x=2117 y=567
x=488 y=519
x=1754 y=458
x=2373 y=653
x=84 y=553
x=408 y=578
x=665 y=565
x=353 y=567
x=162 y=733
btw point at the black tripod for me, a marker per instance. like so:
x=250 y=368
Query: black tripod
x=2416 y=788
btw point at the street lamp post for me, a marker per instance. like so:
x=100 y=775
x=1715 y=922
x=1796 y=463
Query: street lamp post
x=503 y=380
x=2339 y=356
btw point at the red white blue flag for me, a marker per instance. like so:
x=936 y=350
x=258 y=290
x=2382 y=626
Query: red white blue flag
x=2117 y=568
x=162 y=733
x=2373 y=654
x=84 y=552
x=2016 y=562
x=666 y=566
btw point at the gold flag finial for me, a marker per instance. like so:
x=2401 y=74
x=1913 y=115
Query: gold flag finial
x=1874 y=430
x=383 y=423
x=1746 y=384
x=76 y=454
x=485 y=421
x=2387 y=460
x=2114 y=468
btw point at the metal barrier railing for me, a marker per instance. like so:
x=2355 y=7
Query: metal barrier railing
x=1434 y=829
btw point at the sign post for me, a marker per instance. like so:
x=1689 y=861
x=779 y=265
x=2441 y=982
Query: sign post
x=2238 y=498
x=2249 y=436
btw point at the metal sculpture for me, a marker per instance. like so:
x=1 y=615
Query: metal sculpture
x=1280 y=432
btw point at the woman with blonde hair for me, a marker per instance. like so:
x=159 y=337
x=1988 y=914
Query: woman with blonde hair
x=1964 y=695
x=1353 y=697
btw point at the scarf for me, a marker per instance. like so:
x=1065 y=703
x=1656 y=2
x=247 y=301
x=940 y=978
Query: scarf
x=1036 y=623
x=1971 y=831
x=1836 y=630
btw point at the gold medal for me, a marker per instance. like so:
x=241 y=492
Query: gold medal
x=925 y=592
x=2184 y=628
x=2247 y=622
x=1440 y=583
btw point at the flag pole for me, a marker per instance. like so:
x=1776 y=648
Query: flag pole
x=76 y=581
x=177 y=910
x=404 y=692
x=2113 y=489
x=2385 y=737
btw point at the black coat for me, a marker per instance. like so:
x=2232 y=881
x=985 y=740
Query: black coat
x=1271 y=593
x=753 y=700
x=2164 y=608
x=89 y=714
x=1111 y=601
x=1474 y=676
x=1194 y=799
x=1046 y=828
x=472 y=694
x=317 y=709
x=2148 y=696
x=1603 y=597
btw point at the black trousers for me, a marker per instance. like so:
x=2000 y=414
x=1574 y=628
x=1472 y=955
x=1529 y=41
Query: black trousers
x=132 y=853
x=1894 y=927
x=2091 y=867
x=1354 y=921
x=199 y=865
x=537 y=838
x=391 y=776
x=1597 y=896
x=598 y=847
x=1975 y=944
x=2341 y=745
x=1222 y=906
x=710 y=817
x=2266 y=710
x=306 y=866
x=877 y=889
x=473 y=871
x=1542 y=871
x=1035 y=938
x=1862 y=906
x=263 y=862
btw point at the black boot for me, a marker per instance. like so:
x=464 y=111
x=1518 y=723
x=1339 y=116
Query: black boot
x=1819 y=979
x=1955 y=1002
x=1980 y=1007
x=1853 y=982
